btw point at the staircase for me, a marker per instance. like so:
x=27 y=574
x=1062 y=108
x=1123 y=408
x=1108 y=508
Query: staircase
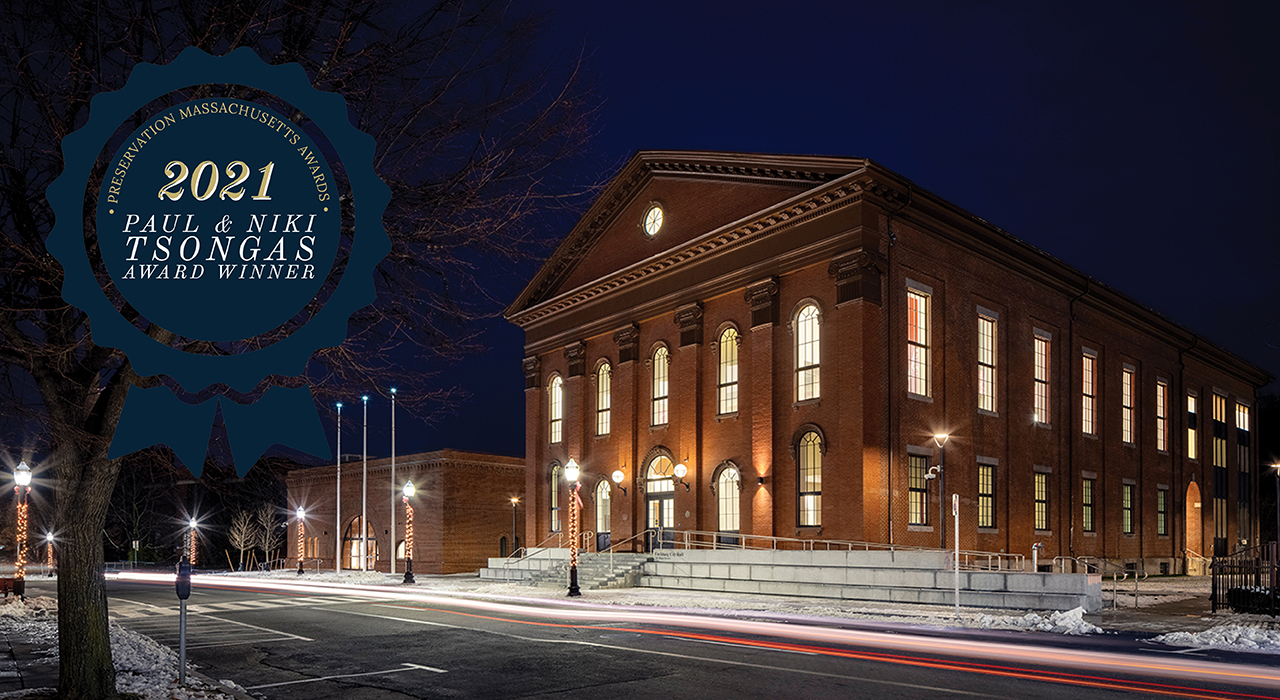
x=594 y=572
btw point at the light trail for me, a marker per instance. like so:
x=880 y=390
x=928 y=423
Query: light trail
x=1180 y=668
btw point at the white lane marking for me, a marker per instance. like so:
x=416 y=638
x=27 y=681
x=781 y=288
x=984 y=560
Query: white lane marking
x=408 y=667
x=727 y=662
x=264 y=629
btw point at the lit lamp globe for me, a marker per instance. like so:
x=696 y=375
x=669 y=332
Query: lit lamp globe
x=22 y=474
x=618 y=476
x=408 y=489
x=681 y=470
x=301 y=513
x=571 y=470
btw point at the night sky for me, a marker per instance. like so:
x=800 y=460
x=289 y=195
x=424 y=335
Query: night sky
x=1135 y=141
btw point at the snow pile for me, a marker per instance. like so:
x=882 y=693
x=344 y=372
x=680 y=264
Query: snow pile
x=1240 y=637
x=1062 y=622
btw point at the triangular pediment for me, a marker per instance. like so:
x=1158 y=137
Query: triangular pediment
x=698 y=192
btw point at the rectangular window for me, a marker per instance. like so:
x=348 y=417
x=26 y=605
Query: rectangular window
x=808 y=353
x=986 y=364
x=658 y=415
x=1162 y=512
x=1162 y=412
x=1086 y=501
x=1126 y=508
x=986 y=495
x=555 y=499
x=1042 y=501
x=555 y=405
x=1041 y=414
x=1126 y=406
x=727 y=375
x=917 y=342
x=918 y=498
x=1088 y=393
x=1193 y=449
x=1221 y=480
x=604 y=399
x=1244 y=494
x=810 y=480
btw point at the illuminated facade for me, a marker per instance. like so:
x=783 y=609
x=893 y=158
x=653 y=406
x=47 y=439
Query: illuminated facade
x=796 y=329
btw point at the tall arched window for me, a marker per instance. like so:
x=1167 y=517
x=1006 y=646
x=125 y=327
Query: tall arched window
x=660 y=489
x=807 y=353
x=604 y=398
x=727 y=378
x=555 y=408
x=728 y=487
x=555 y=498
x=810 y=482
x=660 y=387
x=353 y=543
x=602 y=506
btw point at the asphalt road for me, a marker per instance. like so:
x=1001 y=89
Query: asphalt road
x=327 y=644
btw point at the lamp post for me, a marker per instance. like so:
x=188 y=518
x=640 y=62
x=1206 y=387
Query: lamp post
x=337 y=503
x=514 y=502
x=408 y=533
x=408 y=578
x=364 y=494
x=22 y=477
x=302 y=536
x=571 y=472
x=191 y=546
x=941 y=472
x=1277 y=468
x=48 y=550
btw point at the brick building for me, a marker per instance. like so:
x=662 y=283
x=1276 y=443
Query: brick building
x=795 y=330
x=462 y=505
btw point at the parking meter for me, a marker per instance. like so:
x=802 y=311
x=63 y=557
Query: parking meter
x=183 y=581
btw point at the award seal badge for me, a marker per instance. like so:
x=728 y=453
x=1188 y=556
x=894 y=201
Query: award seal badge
x=219 y=220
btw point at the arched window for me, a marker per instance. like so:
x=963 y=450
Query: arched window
x=660 y=362
x=807 y=353
x=555 y=498
x=727 y=378
x=810 y=482
x=602 y=506
x=555 y=408
x=353 y=543
x=604 y=399
x=728 y=487
x=660 y=488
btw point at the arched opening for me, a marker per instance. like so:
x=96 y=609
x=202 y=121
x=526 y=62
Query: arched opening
x=1193 y=535
x=603 y=515
x=352 y=544
x=660 y=491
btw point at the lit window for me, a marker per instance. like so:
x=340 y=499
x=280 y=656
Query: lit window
x=1126 y=508
x=1042 y=500
x=1088 y=394
x=1162 y=512
x=986 y=495
x=918 y=496
x=917 y=343
x=604 y=398
x=1244 y=488
x=1219 y=431
x=555 y=407
x=807 y=353
x=603 y=516
x=728 y=486
x=1221 y=480
x=1192 y=447
x=653 y=219
x=727 y=378
x=986 y=363
x=1126 y=406
x=810 y=480
x=1086 y=501
x=555 y=498
x=660 y=488
x=1162 y=413
x=660 y=387
x=1041 y=414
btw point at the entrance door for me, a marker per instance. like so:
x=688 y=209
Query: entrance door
x=604 y=516
x=660 y=491
x=353 y=543
x=1194 y=531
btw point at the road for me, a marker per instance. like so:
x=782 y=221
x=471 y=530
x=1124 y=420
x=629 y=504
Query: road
x=335 y=642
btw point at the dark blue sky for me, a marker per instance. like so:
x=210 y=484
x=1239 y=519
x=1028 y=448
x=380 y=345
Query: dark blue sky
x=1134 y=141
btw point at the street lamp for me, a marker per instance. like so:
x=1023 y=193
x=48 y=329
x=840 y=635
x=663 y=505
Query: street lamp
x=337 y=503
x=302 y=536
x=48 y=550
x=618 y=476
x=1277 y=468
x=571 y=472
x=191 y=547
x=408 y=578
x=514 y=502
x=408 y=533
x=21 y=476
x=940 y=473
x=364 y=495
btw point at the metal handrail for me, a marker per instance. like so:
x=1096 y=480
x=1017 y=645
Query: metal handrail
x=530 y=553
x=1118 y=573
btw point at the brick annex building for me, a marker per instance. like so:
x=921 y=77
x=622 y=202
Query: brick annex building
x=796 y=330
x=462 y=511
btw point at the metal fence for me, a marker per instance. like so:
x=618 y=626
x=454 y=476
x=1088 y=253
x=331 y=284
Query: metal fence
x=1247 y=581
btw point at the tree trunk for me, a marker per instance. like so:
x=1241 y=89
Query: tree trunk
x=85 y=482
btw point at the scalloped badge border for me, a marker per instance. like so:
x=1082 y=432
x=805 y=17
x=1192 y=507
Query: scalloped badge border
x=327 y=328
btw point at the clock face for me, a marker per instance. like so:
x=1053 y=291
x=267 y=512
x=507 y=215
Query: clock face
x=653 y=220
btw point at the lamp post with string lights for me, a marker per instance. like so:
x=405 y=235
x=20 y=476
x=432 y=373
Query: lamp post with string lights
x=571 y=472
x=302 y=536
x=21 y=477
x=408 y=532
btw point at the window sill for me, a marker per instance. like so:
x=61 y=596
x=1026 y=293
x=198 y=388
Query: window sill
x=989 y=414
x=1045 y=533
x=919 y=528
x=726 y=416
x=662 y=426
x=795 y=405
x=919 y=397
x=605 y=436
x=1046 y=426
x=1090 y=534
x=988 y=531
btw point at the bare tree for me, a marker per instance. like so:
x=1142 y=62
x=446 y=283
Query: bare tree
x=241 y=534
x=270 y=531
x=471 y=127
